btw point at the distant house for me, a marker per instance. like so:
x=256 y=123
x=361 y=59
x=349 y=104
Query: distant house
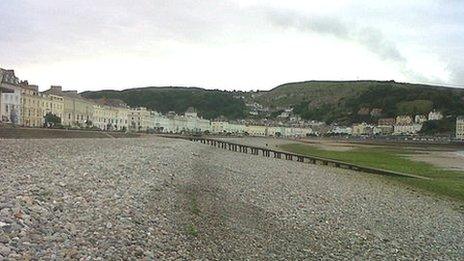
x=407 y=129
x=10 y=97
x=420 y=119
x=219 y=126
x=191 y=112
x=403 y=120
x=435 y=115
x=386 y=122
x=385 y=126
x=385 y=129
x=364 y=111
x=287 y=113
x=341 y=130
x=253 y=112
x=284 y=115
x=406 y=126
x=376 y=112
x=361 y=129
x=256 y=130
x=295 y=118
x=460 y=127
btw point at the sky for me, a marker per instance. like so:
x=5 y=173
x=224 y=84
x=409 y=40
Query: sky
x=230 y=44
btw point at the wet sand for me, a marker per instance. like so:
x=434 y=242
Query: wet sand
x=450 y=160
x=446 y=157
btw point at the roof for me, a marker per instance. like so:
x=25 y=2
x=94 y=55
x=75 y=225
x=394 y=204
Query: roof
x=111 y=102
x=190 y=110
x=8 y=76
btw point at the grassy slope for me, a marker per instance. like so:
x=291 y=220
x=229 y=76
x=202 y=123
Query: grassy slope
x=319 y=92
x=209 y=103
x=340 y=101
x=443 y=182
x=332 y=91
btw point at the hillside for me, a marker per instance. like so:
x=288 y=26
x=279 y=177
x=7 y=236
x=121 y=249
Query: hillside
x=318 y=92
x=209 y=103
x=340 y=101
x=353 y=101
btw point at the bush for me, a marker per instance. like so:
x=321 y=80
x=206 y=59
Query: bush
x=51 y=120
x=443 y=126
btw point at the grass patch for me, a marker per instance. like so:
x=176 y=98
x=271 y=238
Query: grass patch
x=192 y=230
x=194 y=206
x=45 y=194
x=444 y=182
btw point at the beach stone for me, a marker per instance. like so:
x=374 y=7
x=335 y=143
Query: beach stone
x=168 y=199
x=4 y=250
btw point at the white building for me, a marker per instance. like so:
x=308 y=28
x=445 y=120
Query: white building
x=122 y=118
x=104 y=117
x=385 y=129
x=286 y=113
x=219 y=127
x=420 y=119
x=111 y=118
x=10 y=109
x=435 y=116
x=256 y=130
x=189 y=124
x=274 y=131
x=296 y=132
x=191 y=112
x=340 y=130
x=404 y=120
x=173 y=123
x=236 y=128
x=139 y=119
x=460 y=127
x=161 y=123
x=193 y=123
x=362 y=129
x=407 y=129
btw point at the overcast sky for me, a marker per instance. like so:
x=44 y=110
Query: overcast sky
x=230 y=44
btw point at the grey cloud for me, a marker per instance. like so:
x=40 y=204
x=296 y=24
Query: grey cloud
x=457 y=71
x=323 y=25
x=368 y=37
x=374 y=41
x=50 y=30
x=40 y=30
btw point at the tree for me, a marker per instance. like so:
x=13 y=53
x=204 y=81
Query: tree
x=52 y=120
x=443 y=126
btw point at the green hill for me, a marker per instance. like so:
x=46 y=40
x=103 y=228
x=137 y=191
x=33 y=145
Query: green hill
x=340 y=101
x=349 y=101
x=209 y=103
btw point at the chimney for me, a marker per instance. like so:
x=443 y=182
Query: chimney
x=34 y=87
x=56 y=88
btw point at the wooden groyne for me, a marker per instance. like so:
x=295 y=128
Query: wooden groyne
x=266 y=152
